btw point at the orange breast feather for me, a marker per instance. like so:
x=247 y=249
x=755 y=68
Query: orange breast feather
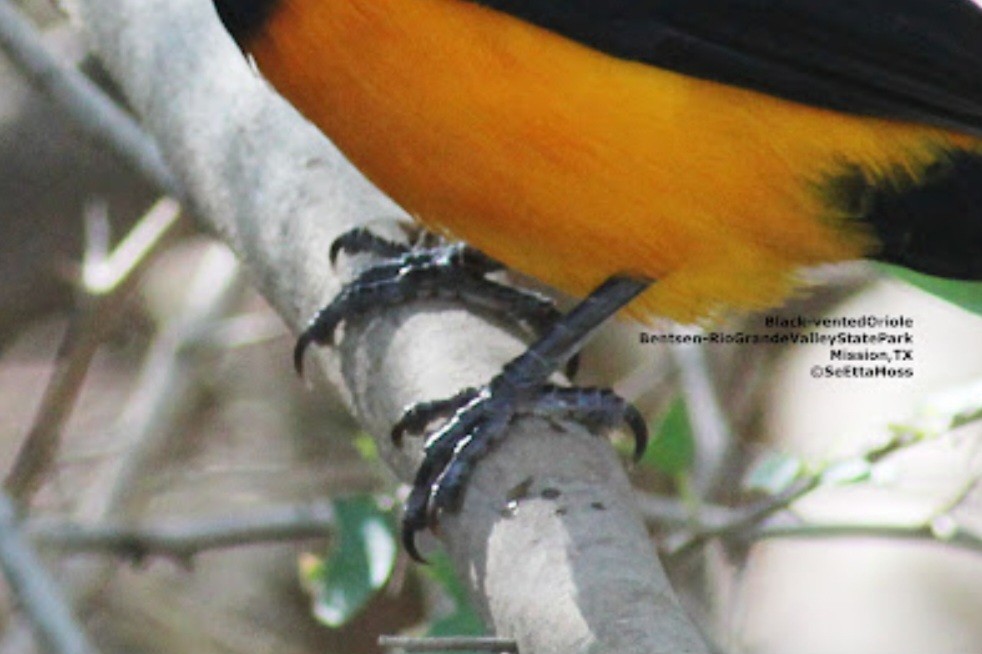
x=570 y=165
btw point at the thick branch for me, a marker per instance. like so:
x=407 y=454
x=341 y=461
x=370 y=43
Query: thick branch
x=568 y=573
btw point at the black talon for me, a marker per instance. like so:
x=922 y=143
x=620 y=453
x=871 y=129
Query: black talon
x=306 y=338
x=440 y=450
x=572 y=366
x=635 y=421
x=336 y=248
x=319 y=330
x=414 y=520
x=362 y=239
x=419 y=415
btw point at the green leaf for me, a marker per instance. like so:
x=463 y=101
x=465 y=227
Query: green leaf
x=673 y=449
x=366 y=447
x=774 y=473
x=463 y=620
x=360 y=562
x=967 y=295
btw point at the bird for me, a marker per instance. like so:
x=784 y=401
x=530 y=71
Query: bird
x=681 y=159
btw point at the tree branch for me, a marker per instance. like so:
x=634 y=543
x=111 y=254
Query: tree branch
x=36 y=590
x=754 y=522
x=186 y=538
x=957 y=537
x=712 y=430
x=91 y=109
x=105 y=282
x=404 y=644
x=573 y=572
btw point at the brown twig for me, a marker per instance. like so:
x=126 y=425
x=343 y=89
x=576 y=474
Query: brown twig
x=105 y=282
x=181 y=540
x=161 y=397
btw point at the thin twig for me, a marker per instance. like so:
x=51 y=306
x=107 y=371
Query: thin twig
x=714 y=437
x=449 y=644
x=161 y=397
x=95 y=113
x=40 y=446
x=105 y=281
x=760 y=523
x=36 y=591
x=167 y=382
x=667 y=512
x=105 y=274
x=743 y=519
x=181 y=540
x=246 y=330
x=957 y=537
x=746 y=521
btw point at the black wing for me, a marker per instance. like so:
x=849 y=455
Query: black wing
x=912 y=59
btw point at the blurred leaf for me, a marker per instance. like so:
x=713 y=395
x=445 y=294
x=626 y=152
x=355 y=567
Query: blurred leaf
x=673 y=449
x=463 y=620
x=967 y=295
x=311 y=568
x=774 y=473
x=359 y=564
x=945 y=410
x=848 y=471
x=365 y=445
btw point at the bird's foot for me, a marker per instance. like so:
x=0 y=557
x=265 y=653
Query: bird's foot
x=430 y=268
x=477 y=419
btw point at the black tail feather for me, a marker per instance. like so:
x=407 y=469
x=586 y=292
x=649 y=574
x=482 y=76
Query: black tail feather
x=934 y=227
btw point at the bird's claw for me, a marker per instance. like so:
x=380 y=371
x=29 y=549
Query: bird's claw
x=452 y=271
x=476 y=419
x=479 y=420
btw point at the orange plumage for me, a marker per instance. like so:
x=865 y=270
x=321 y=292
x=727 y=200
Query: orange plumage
x=571 y=165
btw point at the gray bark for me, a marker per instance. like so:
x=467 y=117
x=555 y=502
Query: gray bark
x=573 y=573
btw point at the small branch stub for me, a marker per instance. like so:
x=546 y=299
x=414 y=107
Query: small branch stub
x=450 y=644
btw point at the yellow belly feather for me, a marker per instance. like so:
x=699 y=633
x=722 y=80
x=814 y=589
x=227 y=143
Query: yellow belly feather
x=570 y=165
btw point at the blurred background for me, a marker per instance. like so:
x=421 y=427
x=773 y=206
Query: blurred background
x=190 y=493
